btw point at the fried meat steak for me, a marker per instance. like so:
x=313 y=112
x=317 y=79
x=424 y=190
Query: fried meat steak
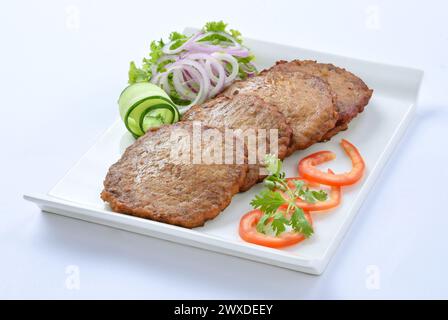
x=306 y=100
x=250 y=114
x=147 y=183
x=352 y=94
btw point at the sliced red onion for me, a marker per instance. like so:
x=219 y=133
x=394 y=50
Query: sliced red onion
x=211 y=68
x=183 y=90
x=220 y=80
x=200 y=96
x=205 y=80
x=166 y=49
x=222 y=34
x=162 y=81
x=200 y=76
x=210 y=63
x=189 y=80
x=238 y=52
x=233 y=62
x=166 y=58
x=223 y=44
x=155 y=66
x=236 y=49
x=199 y=67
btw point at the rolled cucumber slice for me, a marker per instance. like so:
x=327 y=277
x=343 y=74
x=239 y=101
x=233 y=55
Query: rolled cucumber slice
x=143 y=105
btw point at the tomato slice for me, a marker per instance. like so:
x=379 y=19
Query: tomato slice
x=249 y=233
x=308 y=170
x=333 y=201
x=308 y=183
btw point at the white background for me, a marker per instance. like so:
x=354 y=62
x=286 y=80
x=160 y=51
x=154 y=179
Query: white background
x=62 y=65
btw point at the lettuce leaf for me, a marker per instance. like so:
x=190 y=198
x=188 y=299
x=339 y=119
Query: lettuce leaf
x=136 y=74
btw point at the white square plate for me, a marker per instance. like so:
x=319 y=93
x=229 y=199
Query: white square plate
x=376 y=132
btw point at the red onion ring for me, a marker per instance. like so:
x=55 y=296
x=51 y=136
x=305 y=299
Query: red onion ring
x=199 y=68
x=166 y=49
x=233 y=62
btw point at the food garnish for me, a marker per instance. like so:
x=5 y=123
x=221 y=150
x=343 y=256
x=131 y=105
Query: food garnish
x=308 y=170
x=144 y=105
x=192 y=69
x=282 y=211
x=279 y=212
x=248 y=231
x=324 y=202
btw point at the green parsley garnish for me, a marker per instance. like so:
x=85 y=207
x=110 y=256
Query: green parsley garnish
x=270 y=200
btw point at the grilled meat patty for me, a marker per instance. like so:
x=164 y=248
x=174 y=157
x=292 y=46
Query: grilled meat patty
x=247 y=112
x=305 y=100
x=352 y=94
x=147 y=182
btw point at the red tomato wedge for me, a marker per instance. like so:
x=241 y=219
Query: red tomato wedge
x=333 y=201
x=308 y=170
x=249 y=233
